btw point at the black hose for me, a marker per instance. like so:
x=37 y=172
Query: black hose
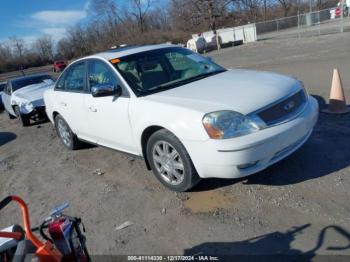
x=42 y=232
x=5 y=202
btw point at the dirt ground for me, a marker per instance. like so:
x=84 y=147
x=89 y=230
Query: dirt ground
x=298 y=206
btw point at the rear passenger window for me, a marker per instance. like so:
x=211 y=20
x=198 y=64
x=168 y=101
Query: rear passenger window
x=60 y=82
x=75 y=78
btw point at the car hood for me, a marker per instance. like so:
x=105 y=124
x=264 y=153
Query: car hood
x=30 y=97
x=244 y=91
x=32 y=92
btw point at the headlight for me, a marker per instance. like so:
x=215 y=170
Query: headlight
x=306 y=94
x=301 y=83
x=27 y=106
x=228 y=124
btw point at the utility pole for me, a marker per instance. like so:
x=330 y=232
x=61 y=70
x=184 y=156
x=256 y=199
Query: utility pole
x=310 y=3
x=341 y=16
x=298 y=24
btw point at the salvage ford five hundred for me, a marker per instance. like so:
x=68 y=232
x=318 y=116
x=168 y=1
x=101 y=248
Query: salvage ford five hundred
x=188 y=117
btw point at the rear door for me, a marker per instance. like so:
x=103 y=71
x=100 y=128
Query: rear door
x=70 y=92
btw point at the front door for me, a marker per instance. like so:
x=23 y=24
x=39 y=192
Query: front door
x=108 y=117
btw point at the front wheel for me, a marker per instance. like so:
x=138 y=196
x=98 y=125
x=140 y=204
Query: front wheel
x=170 y=161
x=66 y=135
x=24 y=119
x=10 y=116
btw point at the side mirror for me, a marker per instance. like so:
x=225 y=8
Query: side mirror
x=106 y=90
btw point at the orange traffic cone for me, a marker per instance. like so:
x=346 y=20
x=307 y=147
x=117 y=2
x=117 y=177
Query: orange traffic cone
x=337 y=102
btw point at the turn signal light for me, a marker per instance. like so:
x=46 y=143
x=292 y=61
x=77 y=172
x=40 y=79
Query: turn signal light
x=115 y=61
x=213 y=132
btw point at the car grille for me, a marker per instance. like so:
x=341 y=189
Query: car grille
x=283 y=110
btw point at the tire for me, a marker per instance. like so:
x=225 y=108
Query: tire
x=10 y=116
x=24 y=119
x=173 y=166
x=68 y=138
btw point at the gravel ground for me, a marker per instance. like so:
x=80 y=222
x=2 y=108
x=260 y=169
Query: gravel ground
x=299 y=205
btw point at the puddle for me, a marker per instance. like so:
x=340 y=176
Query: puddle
x=204 y=202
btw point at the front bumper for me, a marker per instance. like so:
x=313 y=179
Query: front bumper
x=245 y=155
x=37 y=113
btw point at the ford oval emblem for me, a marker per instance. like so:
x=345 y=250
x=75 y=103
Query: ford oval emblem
x=289 y=106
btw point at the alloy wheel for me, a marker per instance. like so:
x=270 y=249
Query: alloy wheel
x=64 y=132
x=168 y=163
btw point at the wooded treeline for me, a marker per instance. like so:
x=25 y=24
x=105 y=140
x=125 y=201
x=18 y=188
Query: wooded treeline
x=112 y=22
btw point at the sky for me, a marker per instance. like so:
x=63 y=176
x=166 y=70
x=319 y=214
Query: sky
x=29 y=19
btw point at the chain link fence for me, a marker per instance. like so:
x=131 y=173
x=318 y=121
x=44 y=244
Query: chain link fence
x=327 y=21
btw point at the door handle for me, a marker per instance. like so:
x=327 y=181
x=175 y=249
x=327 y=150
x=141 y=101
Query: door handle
x=63 y=104
x=92 y=109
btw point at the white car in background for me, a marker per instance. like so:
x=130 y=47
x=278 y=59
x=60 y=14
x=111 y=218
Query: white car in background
x=198 y=44
x=23 y=97
x=188 y=117
x=2 y=87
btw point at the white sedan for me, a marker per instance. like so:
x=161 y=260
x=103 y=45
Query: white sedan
x=23 y=97
x=188 y=117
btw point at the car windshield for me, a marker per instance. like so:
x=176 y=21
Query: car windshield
x=162 y=69
x=17 y=84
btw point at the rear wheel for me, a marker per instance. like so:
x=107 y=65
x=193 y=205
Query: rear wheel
x=170 y=161
x=68 y=138
x=24 y=119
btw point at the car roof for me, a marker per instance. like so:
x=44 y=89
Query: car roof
x=128 y=50
x=27 y=77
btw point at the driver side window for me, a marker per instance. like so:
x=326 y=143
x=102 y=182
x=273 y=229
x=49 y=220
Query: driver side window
x=101 y=74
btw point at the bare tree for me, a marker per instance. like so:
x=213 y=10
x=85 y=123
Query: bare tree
x=320 y=4
x=286 y=5
x=200 y=14
x=45 y=47
x=211 y=10
x=64 y=49
x=141 y=7
x=18 y=45
x=19 y=48
x=265 y=9
x=250 y=9
x=5 y=51
x=5 y=56
x=105 y=17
